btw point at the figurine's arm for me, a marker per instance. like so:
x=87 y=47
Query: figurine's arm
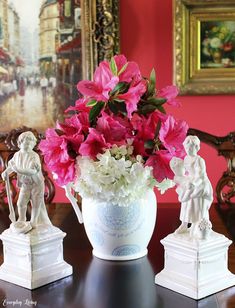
x=33 y=169
x=8 y=170
x=201 y=170
x=28 y=172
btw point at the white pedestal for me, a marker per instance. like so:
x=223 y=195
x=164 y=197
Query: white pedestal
x=34 y=259
x=196 y=268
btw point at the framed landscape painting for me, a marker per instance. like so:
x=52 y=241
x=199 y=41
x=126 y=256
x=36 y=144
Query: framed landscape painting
x=204 y=46
x=46 y=47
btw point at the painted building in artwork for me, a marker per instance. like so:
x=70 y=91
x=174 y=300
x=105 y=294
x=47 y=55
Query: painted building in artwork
x=69 y=65
x=4 y=36
x=13 y=31
x=48 y=36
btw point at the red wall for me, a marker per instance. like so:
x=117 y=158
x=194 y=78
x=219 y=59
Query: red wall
x=146 y=37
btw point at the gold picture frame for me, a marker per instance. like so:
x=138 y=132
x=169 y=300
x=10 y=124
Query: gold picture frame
x=204 y=46
x=100 y=33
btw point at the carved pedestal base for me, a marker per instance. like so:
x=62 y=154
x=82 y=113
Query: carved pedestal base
x=34 y=259
x=196 y=268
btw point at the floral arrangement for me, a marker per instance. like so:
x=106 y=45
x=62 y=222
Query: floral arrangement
x=219 y=38
x=118 y=141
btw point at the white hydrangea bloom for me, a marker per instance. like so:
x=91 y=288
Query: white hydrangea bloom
x=115 y=177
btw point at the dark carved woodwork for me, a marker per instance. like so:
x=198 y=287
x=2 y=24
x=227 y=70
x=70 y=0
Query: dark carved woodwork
x=225 y=146
x=8 y=146
x=106 y=29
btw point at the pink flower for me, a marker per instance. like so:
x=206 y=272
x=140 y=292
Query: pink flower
x=172 y=135
x=146 y=128
x=114 y=129
x=55 y=151
x=73 y=133
x=71 y=126
x=94 y=144
x=84 y=120
x=131 y=72
x=170 y=93
x=54 y=147
x=145 y=125
x=160 y=164
x=132 y=97
x=103 y=83
x=80 y=105
x=65 y=172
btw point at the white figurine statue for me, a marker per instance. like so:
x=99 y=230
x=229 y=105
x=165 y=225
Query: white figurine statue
x=194 y=190
x=26 y=163
x=196 y=256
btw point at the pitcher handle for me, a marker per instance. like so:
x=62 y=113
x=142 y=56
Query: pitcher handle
x=73 y=201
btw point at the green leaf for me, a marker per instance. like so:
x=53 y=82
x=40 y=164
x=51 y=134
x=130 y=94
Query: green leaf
x=153 y=77
x=118 y=100
x=152 y=83
x=157 y=129
x=149 y=144
x=95 y=111
x=117 y=106
x=91 y=103
x=160 y=108
x=113 y=67
x=157 y=100
x=121 y=106
x=147 y=109
x=120 y=88
x=113 y=107
x=122 y=69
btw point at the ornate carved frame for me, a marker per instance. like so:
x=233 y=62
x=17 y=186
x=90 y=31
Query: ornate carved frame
x=188 y=75
x=100 y=32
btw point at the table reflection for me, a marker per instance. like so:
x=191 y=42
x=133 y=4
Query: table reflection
x=119 y=284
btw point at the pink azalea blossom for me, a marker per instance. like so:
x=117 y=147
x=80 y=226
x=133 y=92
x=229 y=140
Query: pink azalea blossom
x=114 y=129
x=172 y=135
x=71 y=126
x=146 y=128
x=132 y=71
x=56 y=156
x=94 y=144
x=170 y=93
x=103 y=83
x=145 y=125
x=65 y=172
x=80 y=105
x=132 y=97
x=73 y=130
x=160 y=164
x=54 y=147
x=84 y=120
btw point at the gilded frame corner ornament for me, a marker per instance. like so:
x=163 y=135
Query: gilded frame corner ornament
x=100 y=33
x=189 y=74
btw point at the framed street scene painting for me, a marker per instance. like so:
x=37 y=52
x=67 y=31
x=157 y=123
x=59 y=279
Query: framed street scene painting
x=204 y=46
x=46 y=47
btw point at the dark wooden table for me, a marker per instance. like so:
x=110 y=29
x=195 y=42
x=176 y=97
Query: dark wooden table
x=97 y=283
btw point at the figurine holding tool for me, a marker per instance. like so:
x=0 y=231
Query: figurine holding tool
x=26 y=163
